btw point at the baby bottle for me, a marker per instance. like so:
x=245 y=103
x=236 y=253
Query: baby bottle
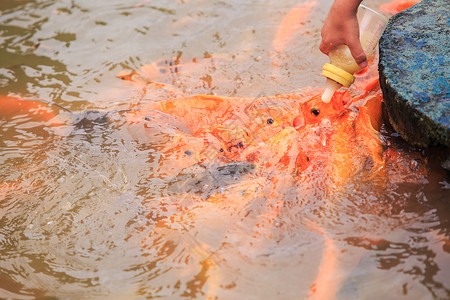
x=342 y=66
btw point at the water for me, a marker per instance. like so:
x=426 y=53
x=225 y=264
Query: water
x=98 y=209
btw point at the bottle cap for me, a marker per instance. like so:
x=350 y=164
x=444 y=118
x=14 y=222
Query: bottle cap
x=338 y=75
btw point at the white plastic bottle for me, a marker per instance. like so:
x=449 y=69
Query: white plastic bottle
x=342 y=66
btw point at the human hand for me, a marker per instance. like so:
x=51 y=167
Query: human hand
x=341 y=28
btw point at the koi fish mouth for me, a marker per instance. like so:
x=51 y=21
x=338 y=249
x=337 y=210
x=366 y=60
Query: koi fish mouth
x=315 y=110
x=298 y=122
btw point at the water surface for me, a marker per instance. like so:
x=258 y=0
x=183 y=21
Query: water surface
x=87 y=211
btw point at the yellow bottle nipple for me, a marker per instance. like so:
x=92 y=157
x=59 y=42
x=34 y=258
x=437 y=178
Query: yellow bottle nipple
x=332 y=86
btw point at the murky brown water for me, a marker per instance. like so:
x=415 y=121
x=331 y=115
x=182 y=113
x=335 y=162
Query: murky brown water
x=87 y=211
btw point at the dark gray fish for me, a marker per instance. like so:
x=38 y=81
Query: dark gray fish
x=205 y=182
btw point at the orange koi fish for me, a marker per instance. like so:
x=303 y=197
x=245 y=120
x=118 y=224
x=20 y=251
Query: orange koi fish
x=397 y=6
x=171 y=77
x=326 y=283
x=32 y=109
x=291 y=23
x=33 y=116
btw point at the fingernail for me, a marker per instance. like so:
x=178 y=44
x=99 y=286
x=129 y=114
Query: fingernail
x=363 y=64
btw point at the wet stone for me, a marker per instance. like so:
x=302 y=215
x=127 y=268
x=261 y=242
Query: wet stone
x=414 y=73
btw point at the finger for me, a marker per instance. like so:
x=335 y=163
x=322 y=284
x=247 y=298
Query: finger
x=358 y=53
x=324 y=47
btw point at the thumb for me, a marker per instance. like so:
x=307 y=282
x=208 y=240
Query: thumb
x=358 y=53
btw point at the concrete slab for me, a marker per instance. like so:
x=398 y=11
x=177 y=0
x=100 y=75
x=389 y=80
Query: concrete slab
x=414 y=73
